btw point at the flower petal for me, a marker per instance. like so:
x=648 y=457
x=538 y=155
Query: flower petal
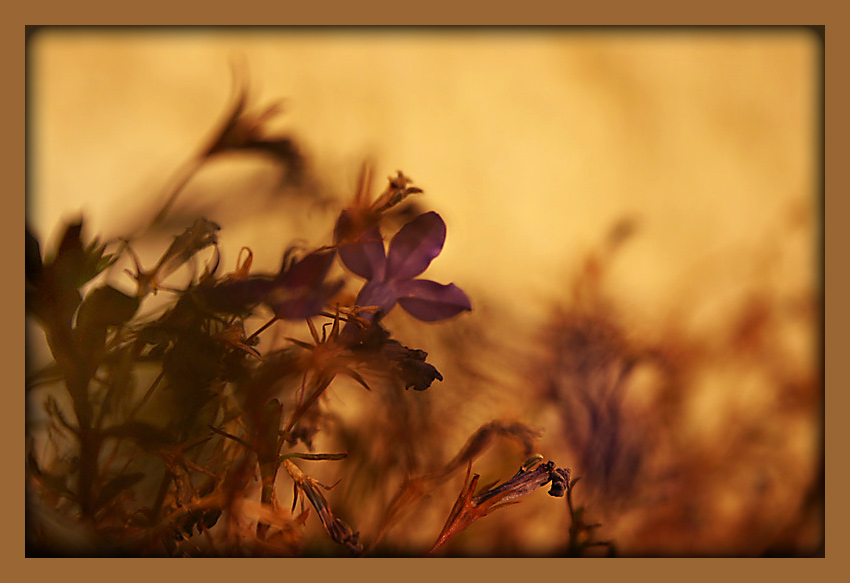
x=415 y=246
x=309 y=271
x=365 y=256
x=430 y=301
x=301 y=291
x=301 y=302
x=377 y=293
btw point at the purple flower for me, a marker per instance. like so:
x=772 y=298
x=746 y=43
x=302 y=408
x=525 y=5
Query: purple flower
x=298 y=291
x=391 y=275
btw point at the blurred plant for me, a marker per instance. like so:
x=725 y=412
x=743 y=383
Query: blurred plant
x=631 y=405
x=581 y=533
x=240 y=131
x=177 y=419
x=589 y=362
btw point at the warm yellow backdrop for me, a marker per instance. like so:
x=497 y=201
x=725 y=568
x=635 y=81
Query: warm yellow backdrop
x=530 y=142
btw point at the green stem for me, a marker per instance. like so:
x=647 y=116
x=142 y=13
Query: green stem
x=90 y=442
x=260 y=329
x=184 y=174
x=268 y=473
x=78 y=373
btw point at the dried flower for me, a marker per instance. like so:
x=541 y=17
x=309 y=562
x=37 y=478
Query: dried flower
x=339 y=531
x=466 y=511
x=243 y=130
x=391 y=275
x=410 y=363
x=200 y=235
x=53 y=283
x=362 y=216
x=469 y=507
x=526 y=481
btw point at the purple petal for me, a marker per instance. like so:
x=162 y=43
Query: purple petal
x=301 y=302
x=235 y=296
x=365 y=257
x=430 y=301
x=309 y=272
x=301 y=291
x=377 y=293
x=415 y=246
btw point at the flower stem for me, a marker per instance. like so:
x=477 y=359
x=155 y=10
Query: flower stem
x=182 y=177
x=260 y=329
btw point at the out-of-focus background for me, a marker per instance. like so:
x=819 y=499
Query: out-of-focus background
x=634 y=213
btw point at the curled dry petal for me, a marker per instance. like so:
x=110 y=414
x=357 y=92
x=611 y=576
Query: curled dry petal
x=430 y=301
x=410 y=364
x=522 y=483
x=414 y=247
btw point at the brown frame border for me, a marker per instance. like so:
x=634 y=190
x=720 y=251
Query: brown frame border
x=346 y=13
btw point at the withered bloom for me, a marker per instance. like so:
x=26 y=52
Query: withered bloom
x=200 y=235
x=359 y=218
x=526 y=481
x=469 y=507
x=244 y=131
x=339 y=531
x=410 y=364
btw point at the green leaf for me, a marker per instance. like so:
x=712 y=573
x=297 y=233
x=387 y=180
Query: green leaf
x=34 y=265
x=53 y=294
x=74 y=264
x=102 y=307
x=68 y=264
x=107 y=306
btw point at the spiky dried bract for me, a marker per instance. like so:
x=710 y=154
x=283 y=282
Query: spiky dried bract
x=470 y=507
